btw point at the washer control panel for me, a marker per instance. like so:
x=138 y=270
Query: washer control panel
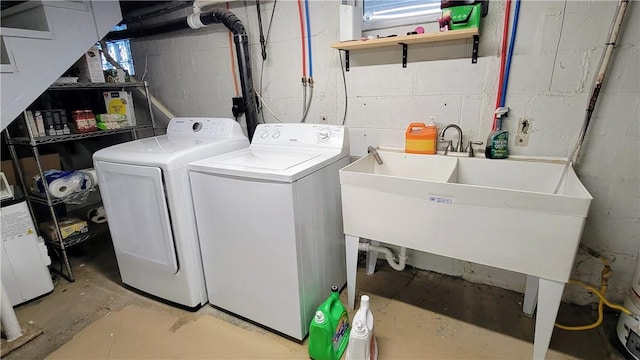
x=316 y=135
x=203 y=127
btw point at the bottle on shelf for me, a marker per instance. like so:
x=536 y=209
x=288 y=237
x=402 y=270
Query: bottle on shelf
x=80 y=121
x=91 y=120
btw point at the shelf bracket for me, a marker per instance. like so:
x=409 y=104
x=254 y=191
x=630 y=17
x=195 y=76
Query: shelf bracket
x=404 y=55
x=346 y=60
x=474 y=54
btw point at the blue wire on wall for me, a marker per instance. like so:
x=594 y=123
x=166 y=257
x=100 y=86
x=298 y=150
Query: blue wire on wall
x=510 y=53
x=306 y=10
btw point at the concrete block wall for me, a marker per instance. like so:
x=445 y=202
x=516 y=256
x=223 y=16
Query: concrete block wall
x=557 y=50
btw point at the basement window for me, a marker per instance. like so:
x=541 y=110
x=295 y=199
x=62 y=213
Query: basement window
x=120 y=50
x=381 y=14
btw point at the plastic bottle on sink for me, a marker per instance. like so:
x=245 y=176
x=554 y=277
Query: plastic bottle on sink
x=421 y=138
x=362 y=340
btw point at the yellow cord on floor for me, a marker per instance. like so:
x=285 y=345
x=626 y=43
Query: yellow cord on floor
x=600 y=294
x=604 y=279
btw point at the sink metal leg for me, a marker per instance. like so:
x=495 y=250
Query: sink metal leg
x=351 y=247
x=530 y=296
x=372 y=258
x=549 y=296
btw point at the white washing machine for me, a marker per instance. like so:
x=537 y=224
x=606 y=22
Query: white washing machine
x=269 y=219
x=145 y=191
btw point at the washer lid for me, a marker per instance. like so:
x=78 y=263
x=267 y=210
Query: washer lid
x=187 y=140
x=168 y=152
x=165 y=144
x=266 y=159
x=274 y=164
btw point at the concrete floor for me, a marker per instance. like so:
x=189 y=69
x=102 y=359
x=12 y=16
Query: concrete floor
x=98 y=291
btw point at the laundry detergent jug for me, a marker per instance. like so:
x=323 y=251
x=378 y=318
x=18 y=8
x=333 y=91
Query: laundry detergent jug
x=329 y=329
x=362 y=339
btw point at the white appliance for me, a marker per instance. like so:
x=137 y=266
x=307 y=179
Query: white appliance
x=269 y=219
x=145 y=191
x=24 y=257
x=628 y=329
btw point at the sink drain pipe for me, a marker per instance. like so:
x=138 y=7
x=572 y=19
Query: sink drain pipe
x=402 y=258
x=202 y=19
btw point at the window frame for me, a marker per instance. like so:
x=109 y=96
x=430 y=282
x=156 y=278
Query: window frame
x=403 y=21
x=114 y=46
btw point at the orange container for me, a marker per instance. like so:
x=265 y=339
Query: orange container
x=421 y=139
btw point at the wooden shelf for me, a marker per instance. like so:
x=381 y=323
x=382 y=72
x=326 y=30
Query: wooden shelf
x=407 y=39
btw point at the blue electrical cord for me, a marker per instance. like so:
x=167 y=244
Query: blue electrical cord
x=306 y=10
x=510 y=53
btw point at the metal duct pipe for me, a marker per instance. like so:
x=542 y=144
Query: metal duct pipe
x=153 y=11
x=149 y=30
x=241 y=40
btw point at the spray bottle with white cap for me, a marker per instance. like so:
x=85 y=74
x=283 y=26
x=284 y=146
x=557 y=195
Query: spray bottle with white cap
x=498 y=140
x=362 y=340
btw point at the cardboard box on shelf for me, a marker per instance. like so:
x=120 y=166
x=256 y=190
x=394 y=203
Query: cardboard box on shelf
x=120 y=102
x=29 y=167
x=68 y=227
x=90 y=66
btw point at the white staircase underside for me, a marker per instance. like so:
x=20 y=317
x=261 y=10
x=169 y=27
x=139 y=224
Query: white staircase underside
x=45 y=39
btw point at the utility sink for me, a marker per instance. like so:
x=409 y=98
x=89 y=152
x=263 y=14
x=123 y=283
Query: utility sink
x=501 y=213
x=399 y=169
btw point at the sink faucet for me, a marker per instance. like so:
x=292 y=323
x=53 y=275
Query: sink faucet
x=375 y=154
x=458 y=147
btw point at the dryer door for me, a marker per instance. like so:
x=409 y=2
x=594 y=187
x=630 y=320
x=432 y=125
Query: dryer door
x=138 y=216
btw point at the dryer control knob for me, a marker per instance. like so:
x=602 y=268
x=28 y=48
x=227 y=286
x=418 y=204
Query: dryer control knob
x=276 y=134
x=324 y=134
x=264 y=134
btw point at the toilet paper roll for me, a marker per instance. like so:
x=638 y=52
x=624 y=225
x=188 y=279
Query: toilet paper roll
x=66 y=186
x=97 y=215
x=90 y=178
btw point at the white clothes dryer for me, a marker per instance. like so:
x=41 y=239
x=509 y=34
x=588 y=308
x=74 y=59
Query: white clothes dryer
x=145 y=191
x=269 y=220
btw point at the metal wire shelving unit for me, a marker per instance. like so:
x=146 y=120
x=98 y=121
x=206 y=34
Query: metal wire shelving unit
x=33 y=141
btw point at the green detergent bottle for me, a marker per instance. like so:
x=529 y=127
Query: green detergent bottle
x=329 y=329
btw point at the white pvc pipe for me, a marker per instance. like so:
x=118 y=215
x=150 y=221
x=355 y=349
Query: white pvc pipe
x=612 y=38
x=8 y=317
x=198 y=5
x=402 y=258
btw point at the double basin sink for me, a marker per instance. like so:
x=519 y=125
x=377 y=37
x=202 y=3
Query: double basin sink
x=502 y=213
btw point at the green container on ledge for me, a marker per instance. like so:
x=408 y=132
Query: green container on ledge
x=329 y=329
x=464 y=16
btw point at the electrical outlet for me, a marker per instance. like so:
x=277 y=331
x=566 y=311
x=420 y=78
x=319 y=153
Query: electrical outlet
x=522 y=134
x=324 y=119
x=633 y=343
